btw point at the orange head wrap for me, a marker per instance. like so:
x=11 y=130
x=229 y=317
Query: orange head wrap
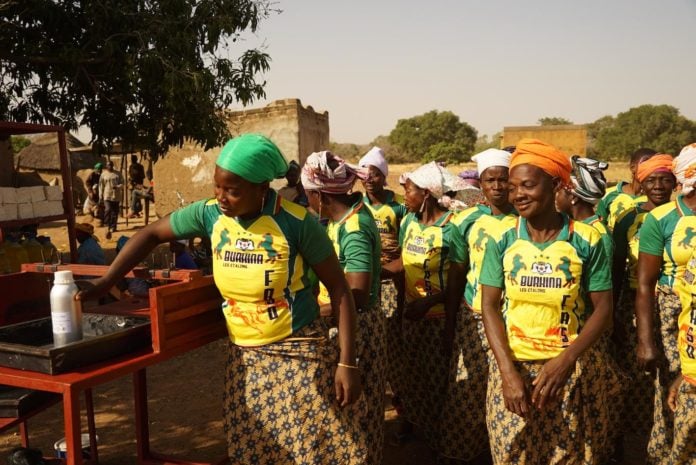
x=544 y=156
x=659 y=162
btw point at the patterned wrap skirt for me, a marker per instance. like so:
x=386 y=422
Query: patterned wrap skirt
x=280 y=404
x=463 y=434
x=393 y=340
x=372 y=360
x=668 y=368
x=573 y=430
x=684 y=444
x=425 y=376
x=636 y=416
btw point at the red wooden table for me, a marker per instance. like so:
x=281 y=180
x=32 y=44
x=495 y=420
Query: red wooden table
x=184 y=315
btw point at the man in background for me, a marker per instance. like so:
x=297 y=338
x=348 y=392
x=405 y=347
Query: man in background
x=110 y=185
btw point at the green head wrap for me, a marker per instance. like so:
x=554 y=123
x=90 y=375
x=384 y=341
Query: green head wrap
x=254 y=158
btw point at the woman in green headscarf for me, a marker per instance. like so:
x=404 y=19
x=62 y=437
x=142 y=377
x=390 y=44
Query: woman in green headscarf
x=286 y=381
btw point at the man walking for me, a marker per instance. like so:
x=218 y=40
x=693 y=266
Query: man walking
x=110 y=185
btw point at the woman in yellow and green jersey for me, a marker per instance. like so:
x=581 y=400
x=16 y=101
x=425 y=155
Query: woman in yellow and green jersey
x=623 y=195
x=667 y=239
x=682 y=393
x=464 y=436
x=550 y=386
x=327 y=180
x=288 y=386
x=657 y=182
x=388 y=210
x=425 y=236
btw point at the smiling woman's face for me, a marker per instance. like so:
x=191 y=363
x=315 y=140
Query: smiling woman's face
x=532 y=191
x=659 y=187
x=235 y=195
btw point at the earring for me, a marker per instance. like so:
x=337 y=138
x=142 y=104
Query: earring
x=263 y=202
x=320 y=207
x=422 y=207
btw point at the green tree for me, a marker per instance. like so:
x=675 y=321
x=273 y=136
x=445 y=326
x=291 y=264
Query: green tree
x=553 y=120
x=484 y=142
x=146 y=73
x=18 y=143
x=660 y=127
x=433 y=135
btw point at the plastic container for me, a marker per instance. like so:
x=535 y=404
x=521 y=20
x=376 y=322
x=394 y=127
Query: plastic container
x=66 y=312
x=50 y=253
x=4 y=262
x=16 y=255
x=61 y=447
x=34 y=249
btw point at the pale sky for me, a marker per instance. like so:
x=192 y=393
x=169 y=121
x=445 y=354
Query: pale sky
x=494 y=63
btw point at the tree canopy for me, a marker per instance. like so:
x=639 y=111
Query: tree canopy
x=434 y=136
x=660 y=127
x=553 y=120
x=146 y=73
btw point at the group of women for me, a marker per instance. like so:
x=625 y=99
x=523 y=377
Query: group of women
x=491 y=323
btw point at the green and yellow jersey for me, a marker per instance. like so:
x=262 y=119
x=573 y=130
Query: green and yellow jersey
x=388 y=217
x=686 y=289
x=473 y=227
x=260 y=266
x=615 y=202
x=356 y=242
x=607 y=242
x=546 y=285
x=627 y=238
x=668 y=232
x=424 y=252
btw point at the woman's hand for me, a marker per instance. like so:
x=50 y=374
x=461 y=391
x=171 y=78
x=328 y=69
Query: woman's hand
x=347 y=383
x=647 y=355
x=92 y=289
x=551 y=380
x=417 y=309
x=515 y=394
x=673 y=393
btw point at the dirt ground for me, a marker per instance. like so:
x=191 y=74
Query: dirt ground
x=185 y=397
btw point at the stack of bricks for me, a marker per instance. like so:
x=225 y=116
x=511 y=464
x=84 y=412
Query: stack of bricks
x=22 y=203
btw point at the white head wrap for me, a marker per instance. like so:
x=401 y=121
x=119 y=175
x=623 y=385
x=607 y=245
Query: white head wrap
x=437 y=180
x=318 y=175
x=375 y=157
x=491 y=157
x=684 y=167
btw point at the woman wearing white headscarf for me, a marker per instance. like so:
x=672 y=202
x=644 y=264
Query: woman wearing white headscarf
x=425 y=237
x=328 y=181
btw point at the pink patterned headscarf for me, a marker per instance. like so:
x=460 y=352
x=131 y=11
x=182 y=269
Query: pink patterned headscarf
x=318 y=175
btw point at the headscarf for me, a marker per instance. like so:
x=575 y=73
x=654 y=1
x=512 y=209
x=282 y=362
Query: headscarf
x=375 y=157
x=491 y=157
x=587 y=177
x=253 y=157
x=98 y=166
x=659 y=162
x=684 y=168
x=293 y=164
x=318 y=175
x=86 y=228
x=437 y=180
x=542 y=155
x=469 y=174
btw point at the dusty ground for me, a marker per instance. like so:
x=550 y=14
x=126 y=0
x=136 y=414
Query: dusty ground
x=184 y=399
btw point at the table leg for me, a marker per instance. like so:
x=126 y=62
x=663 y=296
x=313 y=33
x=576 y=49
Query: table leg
x=91 y=427
x=142 y=429
x=71 y=415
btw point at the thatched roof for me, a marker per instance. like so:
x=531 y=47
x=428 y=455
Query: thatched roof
x=43 y=154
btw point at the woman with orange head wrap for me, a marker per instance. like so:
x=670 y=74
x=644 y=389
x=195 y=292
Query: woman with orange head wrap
x=657 y=182
x=549 y=378
x=667 y=240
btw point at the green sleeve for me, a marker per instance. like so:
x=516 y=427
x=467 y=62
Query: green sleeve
x=603 y=208
x=401 y=211
x=356 y=249
x=492 y=273
x=651 y=239
x=620 y=233
x=459 y=247
x=402 y=229
x=315 y=245
x=190 y=221
x=597 y=269
x=608 y=244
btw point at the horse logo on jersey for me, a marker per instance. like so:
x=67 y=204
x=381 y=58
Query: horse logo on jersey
x=267 y=245
x=224 y=240
x=690 y=233
x=244 y=244
x=480 y=238
x=517 y=266
x=564 y=267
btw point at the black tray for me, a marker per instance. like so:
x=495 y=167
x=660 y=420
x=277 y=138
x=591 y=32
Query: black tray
x=18 y=402
x=29 y=345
